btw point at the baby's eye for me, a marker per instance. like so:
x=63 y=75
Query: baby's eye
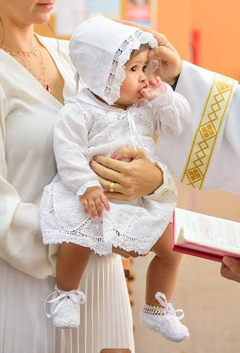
x=134 y=68
x=144 y=69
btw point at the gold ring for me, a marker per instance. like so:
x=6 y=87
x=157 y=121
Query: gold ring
x=111 y=187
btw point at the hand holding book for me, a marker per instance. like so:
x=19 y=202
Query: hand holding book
x=205 y=236
x=231 y=268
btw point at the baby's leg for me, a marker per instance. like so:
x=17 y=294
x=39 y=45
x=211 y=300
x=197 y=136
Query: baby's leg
x=64 y=305
x=163 y=269
x=158 y=314
x=72 y=261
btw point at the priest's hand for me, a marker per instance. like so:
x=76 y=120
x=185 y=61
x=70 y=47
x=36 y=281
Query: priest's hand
x=170 y=63
x=231 y=268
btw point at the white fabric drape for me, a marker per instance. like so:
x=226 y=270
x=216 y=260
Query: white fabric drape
x=105 y=318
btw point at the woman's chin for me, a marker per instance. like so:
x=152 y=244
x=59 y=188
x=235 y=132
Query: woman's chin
x=42 y=20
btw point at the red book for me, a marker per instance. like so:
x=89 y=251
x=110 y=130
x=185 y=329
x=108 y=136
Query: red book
x=205 y=236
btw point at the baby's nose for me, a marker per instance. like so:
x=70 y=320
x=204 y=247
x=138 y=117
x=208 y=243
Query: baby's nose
x=143 y=78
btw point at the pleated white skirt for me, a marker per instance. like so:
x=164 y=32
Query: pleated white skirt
x=106 y=319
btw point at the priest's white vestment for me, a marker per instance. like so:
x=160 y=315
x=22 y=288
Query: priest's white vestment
x=209 y=156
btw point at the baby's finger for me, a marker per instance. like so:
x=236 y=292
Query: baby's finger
x=92 y=208
x=84 y=205
x=158 y=80
x=145 y=94
x=98 y=205
x=153 y=81
x=105 y=202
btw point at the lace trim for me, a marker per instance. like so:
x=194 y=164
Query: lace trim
x=153 y=310
x=165 y=309
x=122 y=55
x=101 y=234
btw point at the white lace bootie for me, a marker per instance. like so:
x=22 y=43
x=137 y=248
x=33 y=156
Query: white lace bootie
x=164 y=319
x=64 y=310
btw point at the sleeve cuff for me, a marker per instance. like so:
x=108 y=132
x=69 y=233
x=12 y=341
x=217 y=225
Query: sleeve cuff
x=83 y=188
x=164 y=98
x=167 y=192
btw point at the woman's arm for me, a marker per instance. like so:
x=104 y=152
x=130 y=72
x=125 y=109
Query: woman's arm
x=20 y=238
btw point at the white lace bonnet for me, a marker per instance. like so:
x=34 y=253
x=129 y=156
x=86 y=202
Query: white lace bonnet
x=99 y=49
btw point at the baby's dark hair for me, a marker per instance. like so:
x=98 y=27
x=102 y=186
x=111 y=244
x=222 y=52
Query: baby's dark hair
x=142 y=48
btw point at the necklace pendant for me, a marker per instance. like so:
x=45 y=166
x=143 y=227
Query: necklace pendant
x=48 y=88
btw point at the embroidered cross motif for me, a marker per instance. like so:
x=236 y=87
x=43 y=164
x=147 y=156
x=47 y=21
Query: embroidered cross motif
x=208 y=131
x=210 y=123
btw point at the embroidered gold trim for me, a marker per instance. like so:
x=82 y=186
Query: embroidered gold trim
x=207 y=132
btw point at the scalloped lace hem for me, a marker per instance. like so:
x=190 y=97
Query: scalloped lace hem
x=130 y=227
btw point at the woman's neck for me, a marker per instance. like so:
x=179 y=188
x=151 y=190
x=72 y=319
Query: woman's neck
x=16 y=37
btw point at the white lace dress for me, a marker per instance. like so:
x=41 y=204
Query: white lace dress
x=86 y=127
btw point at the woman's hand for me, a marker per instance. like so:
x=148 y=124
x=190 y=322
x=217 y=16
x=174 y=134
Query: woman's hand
x=170 y=63
x=136 y=178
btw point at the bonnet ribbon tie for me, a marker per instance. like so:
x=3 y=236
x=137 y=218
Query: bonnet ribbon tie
x=168 y=307
x=132 y=127
x=136 y=140
x=75 y=295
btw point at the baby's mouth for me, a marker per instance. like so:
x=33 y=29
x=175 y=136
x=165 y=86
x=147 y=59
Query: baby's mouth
x=140 y=91
x=143 y=88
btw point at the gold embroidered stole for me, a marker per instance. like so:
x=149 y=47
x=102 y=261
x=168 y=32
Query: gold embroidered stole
x=207 y=132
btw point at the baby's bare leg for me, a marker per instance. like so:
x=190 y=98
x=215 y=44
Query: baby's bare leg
x=158 y=314
x=163 y=269
x=72 y=261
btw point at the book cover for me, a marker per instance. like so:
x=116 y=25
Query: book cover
x=205 y=236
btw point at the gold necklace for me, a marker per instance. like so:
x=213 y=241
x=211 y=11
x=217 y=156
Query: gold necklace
x=42 y=78
x=20 y=52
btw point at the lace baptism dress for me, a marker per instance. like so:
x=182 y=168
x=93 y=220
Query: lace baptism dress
x=87 y=127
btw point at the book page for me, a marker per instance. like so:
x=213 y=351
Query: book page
x=208 y=230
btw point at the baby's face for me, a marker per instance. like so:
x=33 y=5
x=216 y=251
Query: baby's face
x=136 y=79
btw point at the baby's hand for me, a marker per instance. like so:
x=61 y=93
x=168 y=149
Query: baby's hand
x=92 y=201
x=155 y=89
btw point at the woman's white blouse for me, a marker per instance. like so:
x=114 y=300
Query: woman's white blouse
x=27 y=164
